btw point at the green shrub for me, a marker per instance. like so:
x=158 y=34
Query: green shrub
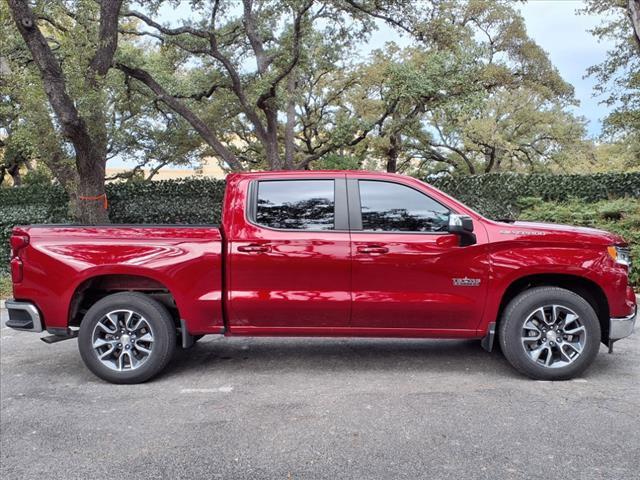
x=190 y=201
x=497 y=195
x=5 y=286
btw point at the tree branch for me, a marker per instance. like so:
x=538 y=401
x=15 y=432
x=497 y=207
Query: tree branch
x=353 y=142
x=297 y=33
x=386 y=17
x=181 y=109
x=634 y=15
x=73 y=127
x=166 y=30
x=249 y=22
x=108 y=36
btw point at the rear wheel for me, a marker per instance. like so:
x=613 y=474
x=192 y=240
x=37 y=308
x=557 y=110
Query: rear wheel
x=127 y=338
x=549 y=333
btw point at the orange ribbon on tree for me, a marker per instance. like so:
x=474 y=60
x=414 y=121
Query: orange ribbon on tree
x=102 y=197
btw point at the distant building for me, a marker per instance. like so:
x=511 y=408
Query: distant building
x=210 y=168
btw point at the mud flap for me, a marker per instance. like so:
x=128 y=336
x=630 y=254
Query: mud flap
x=187 y=338
x=487 y=340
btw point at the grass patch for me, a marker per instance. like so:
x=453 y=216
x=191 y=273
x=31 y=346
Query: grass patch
x=5 y=286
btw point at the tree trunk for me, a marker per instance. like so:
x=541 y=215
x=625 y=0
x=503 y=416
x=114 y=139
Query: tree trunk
x=393 y=152
x=91 y=200
x=271 y=142
x=289 y=144
x=490 y=158
x=88 y=136
x=14 y=171
x=634 y=15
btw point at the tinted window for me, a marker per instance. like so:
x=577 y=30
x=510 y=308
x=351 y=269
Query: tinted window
x=391 y=207
x=296 y=204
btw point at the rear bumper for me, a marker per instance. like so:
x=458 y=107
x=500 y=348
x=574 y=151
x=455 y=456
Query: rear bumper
x=23 y=316
x=622 y=327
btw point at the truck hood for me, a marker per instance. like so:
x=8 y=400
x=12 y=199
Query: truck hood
x=557 y=232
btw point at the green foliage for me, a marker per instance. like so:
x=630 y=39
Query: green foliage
x=498 y=195
x=5 y=285
x=480 y=96
x=120 y=117
x=337 y=162
x=621 y=216
x=25 y=205
x=39 y=176
x=618 y=76
x=189 y=201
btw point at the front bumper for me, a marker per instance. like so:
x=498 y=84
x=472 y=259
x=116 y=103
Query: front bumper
x=622 y=327
x=23 y=316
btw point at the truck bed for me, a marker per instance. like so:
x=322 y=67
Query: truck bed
x=62 y=261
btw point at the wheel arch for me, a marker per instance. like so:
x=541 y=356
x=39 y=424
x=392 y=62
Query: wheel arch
x=586 y=288
x=98 y=286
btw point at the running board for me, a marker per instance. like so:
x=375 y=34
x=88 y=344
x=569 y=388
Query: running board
x=67 y=334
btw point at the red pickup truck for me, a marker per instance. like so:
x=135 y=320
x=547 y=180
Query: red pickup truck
x=325 y=253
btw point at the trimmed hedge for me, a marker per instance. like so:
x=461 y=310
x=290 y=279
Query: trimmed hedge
x=170 y=201
x=189 y=201
x=192 y=201
x=497 y=195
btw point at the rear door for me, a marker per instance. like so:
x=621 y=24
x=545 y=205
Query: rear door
x=408 y=271
x=290 y=265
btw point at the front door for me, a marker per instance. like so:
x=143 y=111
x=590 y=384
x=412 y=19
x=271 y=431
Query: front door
x=408 y=271
x=290 y=263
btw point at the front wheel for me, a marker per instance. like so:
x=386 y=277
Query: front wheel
x=549 y=333
x=127 y=338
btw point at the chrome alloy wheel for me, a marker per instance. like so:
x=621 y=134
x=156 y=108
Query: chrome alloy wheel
x=122 y=340
x=553 y=336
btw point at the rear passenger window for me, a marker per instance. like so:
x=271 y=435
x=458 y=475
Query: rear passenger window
x=391 y=207
x=296 y=204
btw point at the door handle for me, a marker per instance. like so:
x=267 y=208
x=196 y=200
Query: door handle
x=372 y=249
x=254 y=248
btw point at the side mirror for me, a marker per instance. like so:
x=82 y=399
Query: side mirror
x=462 y=225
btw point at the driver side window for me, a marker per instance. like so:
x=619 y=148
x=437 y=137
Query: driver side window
x=391 y=207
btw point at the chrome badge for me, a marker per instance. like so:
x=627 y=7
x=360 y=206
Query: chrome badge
x=466 y=282
x=522 y=232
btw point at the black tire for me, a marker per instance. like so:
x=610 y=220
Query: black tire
x=158 y=318
x=511 y=333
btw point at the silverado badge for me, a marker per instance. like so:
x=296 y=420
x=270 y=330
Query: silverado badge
x=466 y=282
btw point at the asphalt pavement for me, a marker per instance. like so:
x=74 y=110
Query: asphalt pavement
x=316 y=408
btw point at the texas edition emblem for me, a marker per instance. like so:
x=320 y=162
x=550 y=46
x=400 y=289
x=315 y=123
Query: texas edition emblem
x=466 y=282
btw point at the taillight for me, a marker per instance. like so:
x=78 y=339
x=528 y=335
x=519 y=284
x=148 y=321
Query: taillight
x=16 y=270
x=18 y=242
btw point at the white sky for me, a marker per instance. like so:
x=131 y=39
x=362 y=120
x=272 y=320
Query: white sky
x=554 y=25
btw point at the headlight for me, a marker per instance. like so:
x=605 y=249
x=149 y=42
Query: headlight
x=620 y=255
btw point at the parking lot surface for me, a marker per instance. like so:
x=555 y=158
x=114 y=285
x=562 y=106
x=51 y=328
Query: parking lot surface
x=317 y=408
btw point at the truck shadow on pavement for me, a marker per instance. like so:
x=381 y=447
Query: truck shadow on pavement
x=337 y=355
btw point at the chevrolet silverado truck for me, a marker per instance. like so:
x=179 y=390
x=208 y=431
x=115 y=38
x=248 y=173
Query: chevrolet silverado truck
x=325 y=253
